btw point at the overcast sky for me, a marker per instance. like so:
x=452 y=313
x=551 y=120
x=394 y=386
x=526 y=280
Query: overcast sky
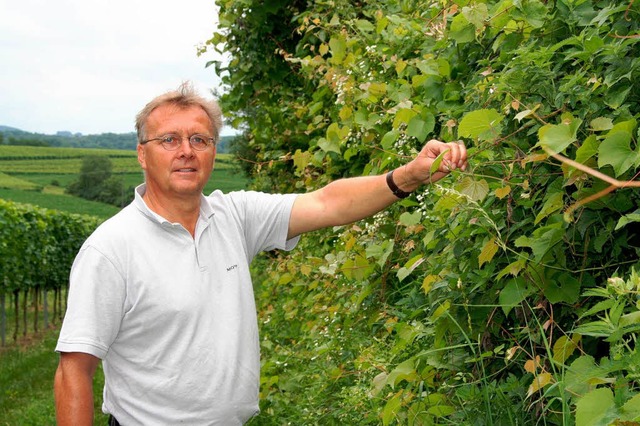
x=90 y=65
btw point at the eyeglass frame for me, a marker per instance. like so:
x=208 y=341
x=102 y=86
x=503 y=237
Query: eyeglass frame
x=210 y=141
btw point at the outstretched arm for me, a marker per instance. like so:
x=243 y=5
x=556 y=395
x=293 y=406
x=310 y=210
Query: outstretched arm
x=349 y=200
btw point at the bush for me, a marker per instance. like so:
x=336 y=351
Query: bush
x=468 y=302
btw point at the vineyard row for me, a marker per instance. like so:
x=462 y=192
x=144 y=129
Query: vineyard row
x=37 y=248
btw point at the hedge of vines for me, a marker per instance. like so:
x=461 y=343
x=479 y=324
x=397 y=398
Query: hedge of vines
x=37 y=248
x=508 y=294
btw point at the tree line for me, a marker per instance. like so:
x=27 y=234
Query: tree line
x=126 y=141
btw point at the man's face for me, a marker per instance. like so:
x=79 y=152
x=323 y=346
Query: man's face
x=183 y=172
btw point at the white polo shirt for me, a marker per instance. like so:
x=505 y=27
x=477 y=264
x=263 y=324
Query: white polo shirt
x=173 y=317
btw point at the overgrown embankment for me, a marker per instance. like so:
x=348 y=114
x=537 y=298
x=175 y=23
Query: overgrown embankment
x=506 y=294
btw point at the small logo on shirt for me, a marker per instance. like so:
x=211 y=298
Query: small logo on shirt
x=232 y=267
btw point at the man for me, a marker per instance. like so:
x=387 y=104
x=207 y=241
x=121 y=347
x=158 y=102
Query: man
x=161 y=292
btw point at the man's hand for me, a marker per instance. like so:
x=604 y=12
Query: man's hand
x=419 y=170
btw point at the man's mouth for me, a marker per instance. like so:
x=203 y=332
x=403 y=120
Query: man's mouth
x=186 y=170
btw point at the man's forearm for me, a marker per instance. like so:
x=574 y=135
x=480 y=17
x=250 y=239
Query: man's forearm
x=74 y=398
x=352 y=199
x=341 y=202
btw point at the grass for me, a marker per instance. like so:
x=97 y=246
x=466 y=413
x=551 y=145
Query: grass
x=8 y=181
x=26 y=382
x=27 y=367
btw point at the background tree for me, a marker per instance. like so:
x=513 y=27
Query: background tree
x=96 y=182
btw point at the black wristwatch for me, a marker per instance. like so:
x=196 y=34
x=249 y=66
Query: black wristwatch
x=394 y=188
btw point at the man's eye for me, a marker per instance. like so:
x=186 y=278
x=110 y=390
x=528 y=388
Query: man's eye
x=198 y=140
x=169 y=139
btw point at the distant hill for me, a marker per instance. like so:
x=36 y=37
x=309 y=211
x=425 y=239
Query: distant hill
x=9 y=129
x=12 y=136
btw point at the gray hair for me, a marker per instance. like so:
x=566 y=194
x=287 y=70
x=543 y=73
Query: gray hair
x=185 y=96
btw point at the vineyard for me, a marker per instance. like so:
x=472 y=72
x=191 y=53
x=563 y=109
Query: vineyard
x=37 y=247
x=504 y=295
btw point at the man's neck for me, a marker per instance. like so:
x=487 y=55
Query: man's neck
x=183 y=210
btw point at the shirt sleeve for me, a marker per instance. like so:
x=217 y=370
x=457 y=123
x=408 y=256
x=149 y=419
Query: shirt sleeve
x=95 y=305
x=265 y=220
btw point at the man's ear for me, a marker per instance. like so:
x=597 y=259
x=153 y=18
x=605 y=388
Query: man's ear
x=141 y=157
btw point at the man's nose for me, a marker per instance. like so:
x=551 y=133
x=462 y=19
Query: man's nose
x=185 y=146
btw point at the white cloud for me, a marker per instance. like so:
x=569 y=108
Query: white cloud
x=90 y=66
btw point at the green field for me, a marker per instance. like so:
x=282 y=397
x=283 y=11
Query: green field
x=39 y=176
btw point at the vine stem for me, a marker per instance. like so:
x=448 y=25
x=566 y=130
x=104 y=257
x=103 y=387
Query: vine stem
x=614 y=183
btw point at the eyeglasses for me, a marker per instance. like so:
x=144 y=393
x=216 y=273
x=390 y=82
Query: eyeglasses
x=172 y=142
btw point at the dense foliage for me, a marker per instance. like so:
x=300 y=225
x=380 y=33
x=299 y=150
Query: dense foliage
x=506 y=295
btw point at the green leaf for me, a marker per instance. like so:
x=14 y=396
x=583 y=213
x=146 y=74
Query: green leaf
x=419 y=128
x=357 y=269
x=584 y=375
x=488 y=251
x=389 y=139
x=476 y=190
x=477 y=14
x=557 y=137
x=564 y=347
x=596 y=408
x=553 y=204
x=301 y=160
x=365 y=26
x=391 y=409
x=587 y=150
x=483 y=124
x=376 y=89
x=338 y=48
x=437 y=162
x=409 y=267
x=329 y=146
x=631 y=409
x=563 y=288
x=403 y=116
x=628 y=218
x=513 y=294
x=616 y=96
x=410 y=219
x=404 y=371
x=380 y=252
x=596 y=328
x=442 y=410
x=542 y=240
x=461 y=30
x=616 y=151
x=534 y=12
x=513 y=268
x=601 y=124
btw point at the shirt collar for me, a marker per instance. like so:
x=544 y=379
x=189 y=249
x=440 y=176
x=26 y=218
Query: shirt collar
x=206 y=211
